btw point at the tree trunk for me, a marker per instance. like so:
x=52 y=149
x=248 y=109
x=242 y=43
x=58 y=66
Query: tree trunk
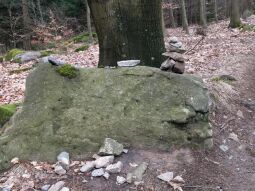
x=202 y=12
x=216 y=10
x=89 y=23
x=184 y=17
x=129 y=30
x=235 y=14
x=40 y=11
x=26 y=24
x=172 y=20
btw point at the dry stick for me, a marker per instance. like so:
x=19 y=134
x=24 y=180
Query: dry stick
x=201 y=40
x=223 y=127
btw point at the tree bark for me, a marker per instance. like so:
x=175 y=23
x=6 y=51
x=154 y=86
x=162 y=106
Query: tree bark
x=202 y=12
x=216 y=10
x=128 y=30
x=235 y=14
x=172 y=20
x=40 y=11
x=26 y=24
x=184 y=17
x=89 y=23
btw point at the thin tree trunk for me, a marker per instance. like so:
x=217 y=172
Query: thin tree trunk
x=184 y=17
x=202 y=12
x=89 y=23
x=172 y=20
x=40 y=11
x=129 y=30
x=235 y=14
x=26 y=24
x=216 y=10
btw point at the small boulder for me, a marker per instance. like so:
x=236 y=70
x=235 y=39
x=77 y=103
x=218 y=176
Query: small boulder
x=178 y=68
x=56 y=62
x=56 y=187
x=114 y=168
x=64 y=159
x=175 y=56
x=59 y=170
x=88 y=166
x=111 y=147
x=27 y=56
x=97 y=172
x=167 y=65
x=137 y=174
x=45 y=187
x=65 y=189
x=104 y=161
x=166 y=176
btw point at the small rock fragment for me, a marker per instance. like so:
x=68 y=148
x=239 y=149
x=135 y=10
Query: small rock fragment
x=45 y=187
x=104 y=161
x=125 y=151
x=97 y=172
x=88 y=166
x=178 y=179
x=56 y=187
x=128 y=63
x=120 y=180
x=26 y=176
x=106 y=175
x=64 y=159
x=65 y=189
x=59 y=170
x=233 y=136
x=137 y=174
x=240 y=114
x=166 y=176
x=114 y=168
x=111 y=147
x=15 y=160
x=178 y=68
x=224 y=148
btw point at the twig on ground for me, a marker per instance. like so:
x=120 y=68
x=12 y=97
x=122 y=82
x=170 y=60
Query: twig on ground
x=210 y=160
x=201 y=40
x=223 y=127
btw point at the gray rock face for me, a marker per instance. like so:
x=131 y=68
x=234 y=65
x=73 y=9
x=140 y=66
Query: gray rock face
x=141 y=106
x=137 y=174
x=98 y=172
x=57 y=187
x=28 y=56
x=111 y=147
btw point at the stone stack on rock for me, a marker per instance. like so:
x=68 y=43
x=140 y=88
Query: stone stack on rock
x=175 y=62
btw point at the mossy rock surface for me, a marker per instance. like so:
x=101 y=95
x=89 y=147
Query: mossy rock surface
x=81 y=48
x=141 y=106
x=46 y=53
x=6 y=111
x=12 y=54
x=68 y=71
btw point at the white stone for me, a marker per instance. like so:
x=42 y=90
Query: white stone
x=224 y=148
x=125 y=151
x=106 y=175
x=120 y=180
x=97 y=172
x=104 y=161
x=45 y=187
x=88 y=166
x=56 y=187
x=59 y=170
x=178 y=179
x=15 y=160
x=166 y=176
x=234 y=137
x=114 y=168
x=128 y=63
x=64 y=158
x=65 y=189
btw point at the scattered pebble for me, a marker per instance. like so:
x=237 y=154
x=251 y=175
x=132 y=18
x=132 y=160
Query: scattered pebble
x=104 y=161
x=45 y=187
x=88 y=166
x=56 y=187
x=125 y=151
x=137 y=174
x=106 y=175
x=224 y=148
x=64 y=159
x=15 y=160
x=111 y=147
x=233 y=136
x=114 y=168
x=97 y=172
x=59 y=170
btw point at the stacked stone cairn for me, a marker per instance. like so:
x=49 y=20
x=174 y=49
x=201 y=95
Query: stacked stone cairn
x=175 y=61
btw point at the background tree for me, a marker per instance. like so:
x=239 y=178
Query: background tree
x=129 y=30
x=184 y=17
x=235 y=14
x=202 y=13
x=27 y=25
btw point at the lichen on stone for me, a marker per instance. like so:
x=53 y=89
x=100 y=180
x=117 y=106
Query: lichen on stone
x=67 y=71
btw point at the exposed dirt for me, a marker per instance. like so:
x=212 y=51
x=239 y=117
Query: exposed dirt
x=203 y=170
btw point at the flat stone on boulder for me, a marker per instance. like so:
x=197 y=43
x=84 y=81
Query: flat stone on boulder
x=139 y=106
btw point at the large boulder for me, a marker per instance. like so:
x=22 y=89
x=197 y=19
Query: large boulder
x=141 y=106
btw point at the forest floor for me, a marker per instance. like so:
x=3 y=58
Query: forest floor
x=223 y=51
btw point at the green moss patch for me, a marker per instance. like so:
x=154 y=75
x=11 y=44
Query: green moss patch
x=12 y=53
x=82 y=48
x=6 y=111
x=47 y=53
x=247 y=27
x=84 y=37
x=68 y=71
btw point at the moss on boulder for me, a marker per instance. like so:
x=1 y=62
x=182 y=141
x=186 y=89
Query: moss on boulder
x=13 y=53
x=141 y=106
x=68 y=71
x=6 y=111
